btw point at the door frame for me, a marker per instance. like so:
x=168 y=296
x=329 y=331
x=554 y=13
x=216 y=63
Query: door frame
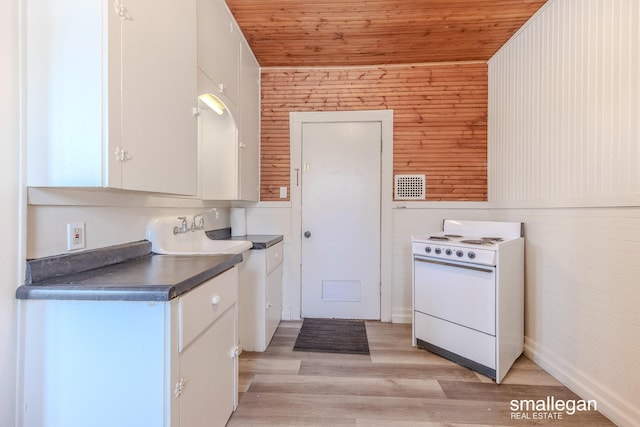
x=385 y=118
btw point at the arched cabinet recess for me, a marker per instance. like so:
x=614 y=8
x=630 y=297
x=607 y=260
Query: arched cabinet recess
x=228 y=162
x=219 y=147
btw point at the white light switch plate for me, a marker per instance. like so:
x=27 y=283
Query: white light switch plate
x=283 y=192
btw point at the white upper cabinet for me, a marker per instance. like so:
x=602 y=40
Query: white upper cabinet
x=159 y=95
x=111 y=91
x=229 y=140
x=249 y=103
x=219 y=47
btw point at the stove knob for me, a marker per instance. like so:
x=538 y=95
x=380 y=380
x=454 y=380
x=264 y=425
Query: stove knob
x=438 y=251
x=459 y=253
x=428 y=249
x=471 y=254
x=448 y=252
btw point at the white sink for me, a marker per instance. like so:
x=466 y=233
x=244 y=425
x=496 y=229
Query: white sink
x=163 y=241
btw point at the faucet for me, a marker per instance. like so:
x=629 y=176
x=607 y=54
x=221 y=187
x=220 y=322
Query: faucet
x=183 y=226
x=200 y=224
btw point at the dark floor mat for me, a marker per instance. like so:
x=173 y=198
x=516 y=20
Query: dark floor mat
x=333 y=336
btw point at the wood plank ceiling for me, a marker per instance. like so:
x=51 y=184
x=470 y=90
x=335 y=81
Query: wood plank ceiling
x=298 y=33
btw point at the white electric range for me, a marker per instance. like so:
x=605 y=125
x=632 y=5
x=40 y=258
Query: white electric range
x=468 y=294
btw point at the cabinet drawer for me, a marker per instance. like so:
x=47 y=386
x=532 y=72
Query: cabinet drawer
x=274 y=257
x=465 y=342
x=200 y=307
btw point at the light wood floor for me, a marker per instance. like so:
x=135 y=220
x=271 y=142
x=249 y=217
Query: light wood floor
x=397 y=385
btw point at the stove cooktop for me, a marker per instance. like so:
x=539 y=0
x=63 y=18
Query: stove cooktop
x=468 y=241
x=488 y=242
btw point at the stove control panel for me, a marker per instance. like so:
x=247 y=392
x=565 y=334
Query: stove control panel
x=455 y=253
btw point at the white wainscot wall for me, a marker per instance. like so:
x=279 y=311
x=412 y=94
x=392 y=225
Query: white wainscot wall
x=564 y=103
x=564 y=157
x=582 y=298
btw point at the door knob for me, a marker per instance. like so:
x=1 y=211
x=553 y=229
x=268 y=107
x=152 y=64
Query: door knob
x=307 y=234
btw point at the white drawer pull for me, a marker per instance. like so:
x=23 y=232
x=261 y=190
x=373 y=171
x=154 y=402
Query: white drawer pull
x=215 y=300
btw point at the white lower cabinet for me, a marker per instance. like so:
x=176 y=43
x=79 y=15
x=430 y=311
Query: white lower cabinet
x=131 y=363
x=260 y=297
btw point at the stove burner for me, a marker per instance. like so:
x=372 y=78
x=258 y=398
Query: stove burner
x=439 y=238
x=455 y=236
x=478 y=242
x=493 y=239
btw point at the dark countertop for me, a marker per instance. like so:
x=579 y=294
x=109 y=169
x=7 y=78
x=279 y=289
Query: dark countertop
x=260 y=241
x=149 y=277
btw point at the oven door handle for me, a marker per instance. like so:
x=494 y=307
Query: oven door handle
x=449 y=264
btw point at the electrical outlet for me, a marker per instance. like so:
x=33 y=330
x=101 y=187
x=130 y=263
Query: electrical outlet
x=283 y=192
x=75 y=236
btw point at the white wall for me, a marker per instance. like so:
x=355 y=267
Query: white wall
x=582 y=295
x=564 y=98
x=564 y=157
x=10 y=212
x=110 y=218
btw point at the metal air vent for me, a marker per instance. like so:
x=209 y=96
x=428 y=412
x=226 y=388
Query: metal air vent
x=410 y=187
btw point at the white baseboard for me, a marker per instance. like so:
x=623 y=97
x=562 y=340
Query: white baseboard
x=286 y=314
x=615 y=407
x=404 y=315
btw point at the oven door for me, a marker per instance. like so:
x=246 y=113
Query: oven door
x=457 y=292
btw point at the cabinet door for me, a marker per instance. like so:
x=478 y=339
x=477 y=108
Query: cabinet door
x=94 y=363
x=208 y=375
x=252 y=300
x=249 y=185
x=158 y=96
x=274 y=302
x=219 y=46
x=64 y=47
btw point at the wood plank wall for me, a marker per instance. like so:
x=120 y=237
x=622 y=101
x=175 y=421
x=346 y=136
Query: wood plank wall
x=440 y=120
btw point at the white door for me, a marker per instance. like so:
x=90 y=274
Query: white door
x=341 y=219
